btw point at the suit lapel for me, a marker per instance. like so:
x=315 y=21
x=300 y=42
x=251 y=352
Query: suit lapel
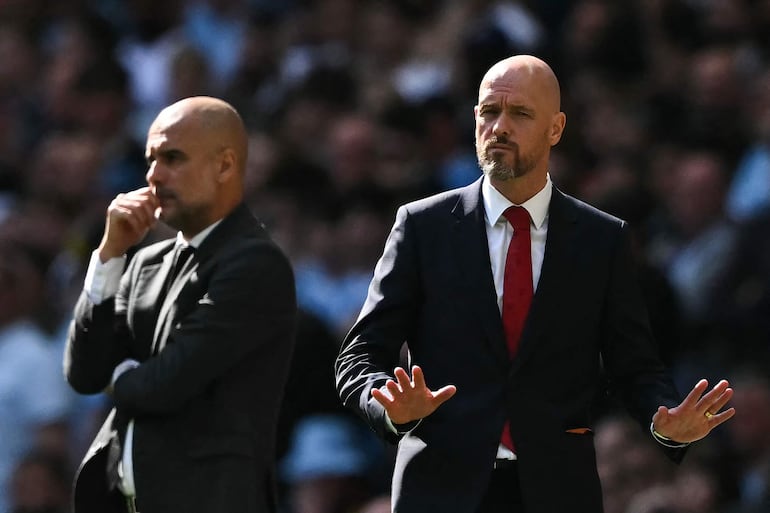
x=239 y=220
x=171 y=292
x=168 y=312
x=560 y=248
x=475 y=267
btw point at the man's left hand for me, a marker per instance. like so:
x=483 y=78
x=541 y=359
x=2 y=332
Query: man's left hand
x=697 y=415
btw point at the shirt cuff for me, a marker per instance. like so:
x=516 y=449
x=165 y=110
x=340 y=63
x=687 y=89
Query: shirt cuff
x=400 y=429
x=122 y=367
x=103 y=278
x=665 y=441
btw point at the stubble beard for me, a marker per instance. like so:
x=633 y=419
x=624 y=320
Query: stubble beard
x=495 y=167
x=184 y=218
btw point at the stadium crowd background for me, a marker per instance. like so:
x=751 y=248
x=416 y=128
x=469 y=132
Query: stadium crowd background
x=355 y=106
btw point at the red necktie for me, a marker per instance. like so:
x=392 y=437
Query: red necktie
x=517 y=288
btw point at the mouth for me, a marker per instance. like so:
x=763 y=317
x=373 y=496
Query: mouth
x=501 y=146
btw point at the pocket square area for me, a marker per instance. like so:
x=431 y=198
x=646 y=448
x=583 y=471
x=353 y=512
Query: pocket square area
x=580 y=431
x=205 y=300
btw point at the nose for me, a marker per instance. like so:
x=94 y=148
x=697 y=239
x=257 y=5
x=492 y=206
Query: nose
x=152 y=175
x=501 y=126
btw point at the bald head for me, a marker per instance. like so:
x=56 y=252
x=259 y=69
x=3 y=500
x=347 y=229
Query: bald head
x=216 y=120
x=527 y=72
x=197 y=151
x=518 y=120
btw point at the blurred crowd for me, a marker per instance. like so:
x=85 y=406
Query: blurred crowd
x=356 y=106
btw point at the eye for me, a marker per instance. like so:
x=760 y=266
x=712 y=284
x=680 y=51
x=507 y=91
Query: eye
x=488 y=110
x=170 y=157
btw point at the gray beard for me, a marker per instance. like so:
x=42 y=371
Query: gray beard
x=497 y=170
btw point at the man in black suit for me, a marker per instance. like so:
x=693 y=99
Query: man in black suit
x=193 y=339
x=516 y=357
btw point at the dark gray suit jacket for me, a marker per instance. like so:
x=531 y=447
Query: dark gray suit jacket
x=214 y=357
x=433 y=289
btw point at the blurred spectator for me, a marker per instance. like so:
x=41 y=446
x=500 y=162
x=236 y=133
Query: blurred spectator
x=376 y=505
x=79 y=43
x=333 y=465
x=311 y=370
x=217 y=29
x=656 y=499
x=41 y=483
x=33 y=395
x=401 y=171
x=713 y=98
x=64 y=174
x=352 y=107
x=627 y=462
x=190 y=74
x=447 y=145
x=254 y=89
x=617 y=190
x=332 y=280
x=702 y=239
x=147 y=52
x=749 y=191
x=100 y=103
x=350 y=144
x=749 y=437
x=603 y=35
x=743 y=293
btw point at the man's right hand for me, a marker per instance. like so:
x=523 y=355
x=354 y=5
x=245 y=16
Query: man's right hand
x=129 y=217
x=406 y=400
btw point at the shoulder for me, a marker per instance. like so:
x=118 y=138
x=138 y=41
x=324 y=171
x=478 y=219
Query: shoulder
x=462 y=199
x=251 y=249
x=571 y=207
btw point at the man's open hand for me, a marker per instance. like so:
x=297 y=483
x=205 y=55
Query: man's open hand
x=406 y=400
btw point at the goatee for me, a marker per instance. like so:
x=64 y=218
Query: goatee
x=495 y=167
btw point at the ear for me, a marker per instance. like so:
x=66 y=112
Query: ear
x=227 y=165
x=557 y=128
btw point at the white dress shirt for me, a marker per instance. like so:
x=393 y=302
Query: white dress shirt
x=500 y=231
x=101 y=283
x=499 y=235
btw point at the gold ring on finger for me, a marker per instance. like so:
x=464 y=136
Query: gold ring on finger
x=708 y=414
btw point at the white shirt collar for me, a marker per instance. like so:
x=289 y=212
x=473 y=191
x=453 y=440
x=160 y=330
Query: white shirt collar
x=198 y=239
x=495 y=203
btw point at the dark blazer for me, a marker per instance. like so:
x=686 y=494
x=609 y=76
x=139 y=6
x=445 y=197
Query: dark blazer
x=214 y=357
x=433 y=289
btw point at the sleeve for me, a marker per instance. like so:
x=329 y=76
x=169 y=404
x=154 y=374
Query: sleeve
x=629 y=352
x=97 y=339
x=371 y=349
x=103 y=278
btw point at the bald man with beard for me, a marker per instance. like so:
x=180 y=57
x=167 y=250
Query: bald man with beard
x=510 y=296
x=191 y=337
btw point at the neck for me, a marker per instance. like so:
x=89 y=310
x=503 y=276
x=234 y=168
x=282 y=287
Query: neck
x=520 y=189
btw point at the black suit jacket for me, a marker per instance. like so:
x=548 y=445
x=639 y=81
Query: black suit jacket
x=433 y=289
x=214 y=357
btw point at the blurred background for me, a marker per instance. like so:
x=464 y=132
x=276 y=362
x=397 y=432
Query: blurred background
x=354 y=107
